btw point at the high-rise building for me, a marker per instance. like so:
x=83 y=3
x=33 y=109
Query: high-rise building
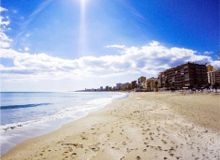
x=126 y=86
x=118 y=86
x=214 y=77
x=133 y=84
x=152 y=84
x=189 y=75
x=141 y=82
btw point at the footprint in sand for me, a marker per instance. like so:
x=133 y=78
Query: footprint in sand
x=159 y=147
x=171 y=154
x=66 y=157
x=124 y=143
x=165 y=142
x=94 y=148
x=74 y=154
x=77 y=145
x=83 y=137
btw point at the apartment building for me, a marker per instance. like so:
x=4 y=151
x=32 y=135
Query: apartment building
x=189 y=75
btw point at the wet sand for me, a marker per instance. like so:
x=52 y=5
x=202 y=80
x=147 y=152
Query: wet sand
x=141 y=127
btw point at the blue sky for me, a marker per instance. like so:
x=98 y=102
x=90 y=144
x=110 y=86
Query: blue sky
x=110 y=28
x=190 y=24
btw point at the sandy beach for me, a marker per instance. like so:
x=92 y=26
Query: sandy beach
x=140 y=127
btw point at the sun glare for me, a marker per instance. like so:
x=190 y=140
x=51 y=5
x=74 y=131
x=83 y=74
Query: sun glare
x=82 y=35
x=82 y=2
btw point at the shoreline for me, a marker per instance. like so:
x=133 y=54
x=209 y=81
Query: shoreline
x=142 y=125
x=20 y=132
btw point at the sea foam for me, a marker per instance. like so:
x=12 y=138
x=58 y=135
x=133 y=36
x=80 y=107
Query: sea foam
x=43 y=118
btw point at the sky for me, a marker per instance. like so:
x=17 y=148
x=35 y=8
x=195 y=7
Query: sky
x=53 y=45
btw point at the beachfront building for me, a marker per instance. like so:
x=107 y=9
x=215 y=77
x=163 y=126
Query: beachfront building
x=214 y=77
x=133 y=85
x=101 y=88
x=189 y=75
x=108 y=88
x=118 y=86
x=142 y=82
x=126 y=86
x=152 y=84
x=210 y=68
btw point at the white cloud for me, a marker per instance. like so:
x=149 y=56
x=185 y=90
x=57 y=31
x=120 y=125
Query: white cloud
x=4 y=40
x=148 y=60
x=154 y=43
x=4 y=25
x=2 y=9
x=26 y=49
x=131 y=61
x=4 y=20
x=116 y=46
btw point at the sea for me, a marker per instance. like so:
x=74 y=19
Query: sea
x=26 y=115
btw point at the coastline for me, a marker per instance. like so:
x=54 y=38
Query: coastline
x=140 y=126
x=54 y=116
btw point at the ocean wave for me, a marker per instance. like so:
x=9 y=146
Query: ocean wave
x=68 y=112
x=62 y=113
x=23 y=106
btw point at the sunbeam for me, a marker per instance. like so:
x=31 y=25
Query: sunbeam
x=82 y=28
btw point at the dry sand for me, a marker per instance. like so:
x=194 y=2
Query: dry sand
x=141 y=127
